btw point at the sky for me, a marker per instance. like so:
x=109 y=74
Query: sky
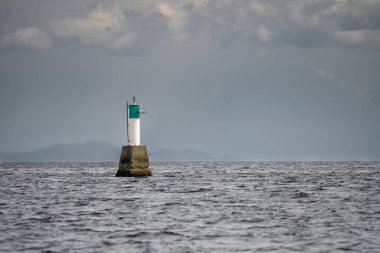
x=258 y=79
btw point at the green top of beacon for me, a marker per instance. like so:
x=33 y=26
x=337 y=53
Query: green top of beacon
x=134 y=110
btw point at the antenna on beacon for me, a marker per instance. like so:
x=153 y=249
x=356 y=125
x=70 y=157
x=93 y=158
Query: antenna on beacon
x=127 y=114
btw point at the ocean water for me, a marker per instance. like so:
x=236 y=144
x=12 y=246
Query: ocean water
x=191 y=207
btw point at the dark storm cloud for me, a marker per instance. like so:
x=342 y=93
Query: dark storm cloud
x=359 y=15
x=310 y=37
x=124 y=28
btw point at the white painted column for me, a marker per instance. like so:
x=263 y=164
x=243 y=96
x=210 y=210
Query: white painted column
x=134 y=132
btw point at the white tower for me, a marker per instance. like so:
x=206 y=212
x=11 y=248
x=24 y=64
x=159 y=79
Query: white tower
x=133 y=123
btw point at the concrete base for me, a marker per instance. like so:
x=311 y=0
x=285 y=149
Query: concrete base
x=134 y=162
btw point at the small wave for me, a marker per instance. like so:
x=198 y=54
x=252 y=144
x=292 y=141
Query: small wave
x=255 y=220
x=108 y=242
x=167 y=232
x=350 y=247
x=82 y=203
x=301 y=195
x=196 y=190
x=174 y=204
x=137 y=234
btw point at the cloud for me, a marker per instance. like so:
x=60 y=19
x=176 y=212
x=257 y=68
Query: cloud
x=323 y=74
x=355 y=15
x=312 y=36
x=123 y=42
x=359 y=38
x=264 y=34
x=328 y=76
x=125 y=32
x=176 y=17
x=99 y=27
x=27 y=38
x=263 y=9
x=138 y=26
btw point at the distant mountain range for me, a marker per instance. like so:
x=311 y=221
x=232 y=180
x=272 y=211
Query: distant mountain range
x=94 y=151
x=97 y=151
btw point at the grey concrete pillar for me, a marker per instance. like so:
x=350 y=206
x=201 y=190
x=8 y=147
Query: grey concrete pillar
x=134 y=162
